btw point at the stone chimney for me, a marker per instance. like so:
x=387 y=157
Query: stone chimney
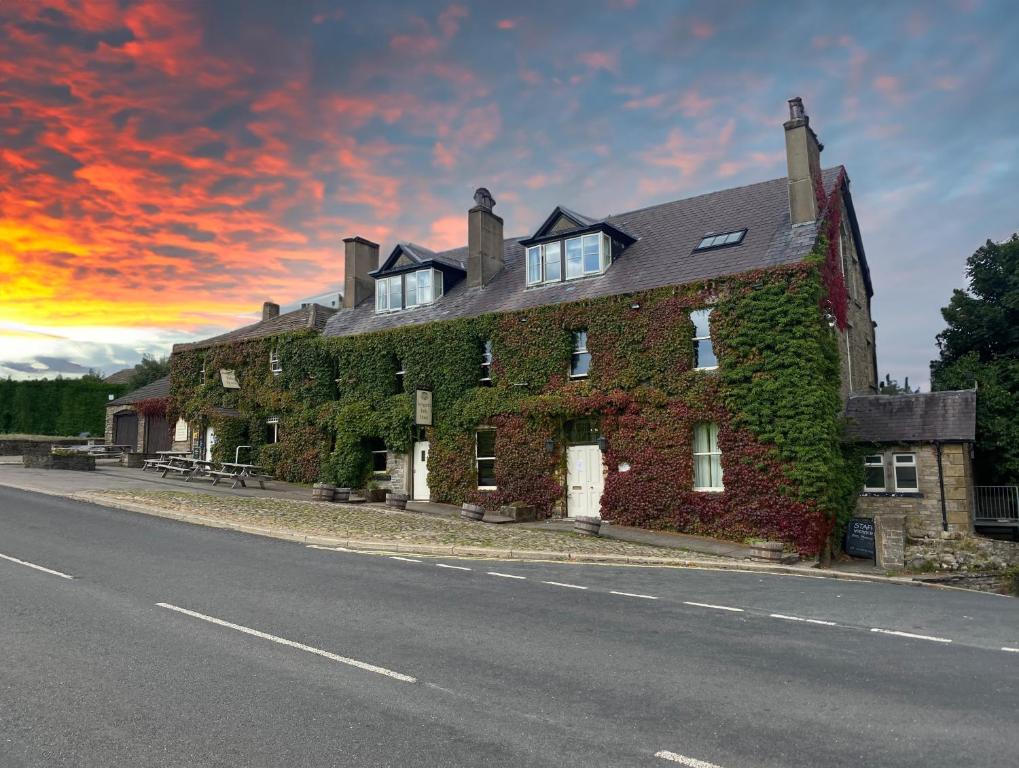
x=803 y=156
x=360 y=257
x=270 y=310
x=484 y=240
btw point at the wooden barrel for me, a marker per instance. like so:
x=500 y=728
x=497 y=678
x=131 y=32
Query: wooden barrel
x=587 y=526
x=322 y=491
x=341 y=494
x=472 y=512
x=396 y=500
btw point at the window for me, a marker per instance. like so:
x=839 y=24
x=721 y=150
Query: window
x=485 y=457
x=587 y=255
x=201 y=373
x=703 y=353
x=400 y=375
x=380 y=456
x=720 y=240
x=905 y=472
x=412 y=289
x=707 y=459
x=580 y=361
x=544 y=263
x=486 y=363
x=272 y=430
x=582 y=431
x=874 y=473
x=274 y=363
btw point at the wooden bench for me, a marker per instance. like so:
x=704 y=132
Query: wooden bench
x=153 y=464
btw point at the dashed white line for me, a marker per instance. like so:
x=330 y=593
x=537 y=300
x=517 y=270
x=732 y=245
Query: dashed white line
x=632 y=594
x=1009 y=650
x=910 y=635
x=690 y=762
x=716 y=607
x=806 y=621
x=505 y=575
x=292 y=644
x=561 y=584
x=36 y=567
x=452 y=567
x=405 y=559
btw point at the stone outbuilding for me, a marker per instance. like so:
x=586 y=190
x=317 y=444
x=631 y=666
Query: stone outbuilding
x=918 y=466
x=138 y=419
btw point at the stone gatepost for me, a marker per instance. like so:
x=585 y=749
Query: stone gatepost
x=890 y=541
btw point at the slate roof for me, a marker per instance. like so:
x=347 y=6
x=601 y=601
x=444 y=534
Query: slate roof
x=123 y=376
x=158 y=388
x=313 y=316
x=662 y=255
x=419 y=255
x=943 y=416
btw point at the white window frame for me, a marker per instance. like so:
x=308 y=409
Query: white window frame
x=716 y=452
x=487 y=355
x=580 y=348
x=384 y=289
x=478 y=458
x=698 y=339
x=274 y=422
x=604 y=255
x=274 y=362
x=910 y=463
x=401 y=374
x=869 y=463
x=542 y=252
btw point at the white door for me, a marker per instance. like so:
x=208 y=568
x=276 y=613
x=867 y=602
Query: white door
x=210 y=440
x=421 y=492
x=584 y=481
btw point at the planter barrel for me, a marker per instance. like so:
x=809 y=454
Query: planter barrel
x=323 y=491
x=472 y=512
x=767 y=550
x=341 y=494
x=587 y=526
x=396 y=500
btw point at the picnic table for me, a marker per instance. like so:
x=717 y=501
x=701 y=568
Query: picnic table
x=238 y=473
x=186 y=466
x=164 y=457
x=102 y=450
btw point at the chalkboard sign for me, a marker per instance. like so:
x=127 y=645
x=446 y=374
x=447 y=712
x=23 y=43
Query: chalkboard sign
x=860 y=537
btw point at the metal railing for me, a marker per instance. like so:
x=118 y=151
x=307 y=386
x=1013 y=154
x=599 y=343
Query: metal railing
x=996 y=503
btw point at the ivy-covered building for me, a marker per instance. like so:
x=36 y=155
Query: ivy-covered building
x=684 y=366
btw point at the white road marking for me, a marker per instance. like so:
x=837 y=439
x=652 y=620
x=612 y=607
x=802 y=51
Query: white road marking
x=453 y=567
x=897 y=633
x=1010 y=650
x=808 y=621
x=37 y=567
x=632 y=594
x=561 y=584
x=405 y=559
x=300 y=646
x=330 y=549
x=505 y=575
x=690 y=762
x=716 y=607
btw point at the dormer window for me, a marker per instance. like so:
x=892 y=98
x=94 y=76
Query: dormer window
x=411 y=289
x=584 y=255
x=720 y=240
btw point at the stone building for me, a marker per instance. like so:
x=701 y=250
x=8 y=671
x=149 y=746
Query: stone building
x=918 y=467
x=138 y=419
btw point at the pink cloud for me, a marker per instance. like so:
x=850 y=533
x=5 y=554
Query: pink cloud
x=537 y=181
x=647 y=102
x=600 y=60
x=443 y=157
x=888 y=86
x=449 y=20
x=448 y=232
x=507 y=24
x=702 y=30
x=692 y=104
x=948 y=83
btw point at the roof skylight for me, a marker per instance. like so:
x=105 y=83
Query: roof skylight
x=725 y=238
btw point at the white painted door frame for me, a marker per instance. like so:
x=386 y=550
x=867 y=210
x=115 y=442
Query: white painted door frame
x=585 y=480
x=419 y=470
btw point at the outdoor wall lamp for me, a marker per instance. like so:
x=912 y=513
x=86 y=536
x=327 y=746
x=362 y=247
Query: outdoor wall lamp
x=635 y=305
x=603 y=444
x=550 y=446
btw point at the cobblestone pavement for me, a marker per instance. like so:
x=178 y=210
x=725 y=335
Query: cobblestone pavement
x=371 y=522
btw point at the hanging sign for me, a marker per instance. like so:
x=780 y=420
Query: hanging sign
x=180 y=431
x=229 y=378
x=423 y=408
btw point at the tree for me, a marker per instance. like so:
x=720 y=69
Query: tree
x=150 y=369
x=980 y=348
x=891 y=386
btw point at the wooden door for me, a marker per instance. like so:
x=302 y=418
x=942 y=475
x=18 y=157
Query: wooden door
x=157 y=434
x=584 y=481
x=125 y=429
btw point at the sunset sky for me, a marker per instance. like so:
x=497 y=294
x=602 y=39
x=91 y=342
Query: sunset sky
x=165 y=167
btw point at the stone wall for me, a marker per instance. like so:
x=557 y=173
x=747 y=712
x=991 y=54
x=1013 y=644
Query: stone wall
x=856 y=343
x=21 y=446
x=397 y=476
x=80 y=462
x=956 y=551
x=112 y=411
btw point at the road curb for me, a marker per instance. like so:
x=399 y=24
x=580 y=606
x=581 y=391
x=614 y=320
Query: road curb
x=398 y=547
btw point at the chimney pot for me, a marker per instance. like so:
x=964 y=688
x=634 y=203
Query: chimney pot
x=795 y=108
x=803 y=158
x=270 y=310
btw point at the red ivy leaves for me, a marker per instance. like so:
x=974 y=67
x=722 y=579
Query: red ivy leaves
x=835 y=302
x=156 y=406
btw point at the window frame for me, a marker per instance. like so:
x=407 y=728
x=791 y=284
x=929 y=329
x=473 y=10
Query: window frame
x=275 y=366
x=378 y=447
x=709 y=453
x=562 y=246
x=274 y=422
x=487 y=356
x=478 y=458
x=730 y=237
x=912 y=463
x=868 y=464
x=697 y=340
x=579 y=351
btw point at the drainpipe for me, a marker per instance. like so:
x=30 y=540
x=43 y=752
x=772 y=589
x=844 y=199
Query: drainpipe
x=941 y=484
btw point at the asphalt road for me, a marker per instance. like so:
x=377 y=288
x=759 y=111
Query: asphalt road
x=178 y=645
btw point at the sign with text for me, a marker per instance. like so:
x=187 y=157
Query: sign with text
x=229 y=378
x=423 y=408
x=180 y=431
x=860 y=537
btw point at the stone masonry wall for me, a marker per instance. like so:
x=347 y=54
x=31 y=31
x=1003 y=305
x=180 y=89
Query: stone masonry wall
x=113 y=411
x=856 y=344
x=396 y=478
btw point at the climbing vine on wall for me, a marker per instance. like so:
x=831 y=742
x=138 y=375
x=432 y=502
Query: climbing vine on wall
x=775 y=398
